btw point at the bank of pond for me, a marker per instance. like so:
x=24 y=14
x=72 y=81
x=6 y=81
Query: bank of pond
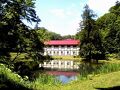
x=54 y=78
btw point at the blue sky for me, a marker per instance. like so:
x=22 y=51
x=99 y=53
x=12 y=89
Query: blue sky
x=63 y=16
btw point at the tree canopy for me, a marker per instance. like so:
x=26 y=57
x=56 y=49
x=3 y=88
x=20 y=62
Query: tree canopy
x=90 y=41
x=109 y=24
x=15 y=36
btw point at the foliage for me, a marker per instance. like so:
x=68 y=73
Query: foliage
x=90 y=42
x=109 y=24
x=15 y=36
x=68 y=37
x=11 y=80
x=45 y=35
x=86 y=69
x=78 y=35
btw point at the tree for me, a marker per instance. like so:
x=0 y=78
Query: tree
x=45 y=35
x=68 y=37
x=55 y=36
x=109 y=25
x=90 y=42
x=15 y=36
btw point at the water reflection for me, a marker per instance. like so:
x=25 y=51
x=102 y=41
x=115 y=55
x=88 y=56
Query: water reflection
x=63 y=70
x=64 y=76
x=65 y=79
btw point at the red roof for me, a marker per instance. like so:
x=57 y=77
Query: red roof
x=63 y=42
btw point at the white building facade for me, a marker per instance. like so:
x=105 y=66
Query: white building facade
x=67 y=47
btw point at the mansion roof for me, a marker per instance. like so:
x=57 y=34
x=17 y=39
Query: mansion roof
x=63 y=42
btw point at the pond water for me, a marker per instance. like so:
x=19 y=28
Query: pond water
x=65 y=79
x=63 y=70
x=64 y=76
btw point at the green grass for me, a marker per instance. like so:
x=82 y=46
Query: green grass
x=86 y=69
x=75 y=58
x=98 y=81
x=21 y=57
x=44 y=82
x=13 y=55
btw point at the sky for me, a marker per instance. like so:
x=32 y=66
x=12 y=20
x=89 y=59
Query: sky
x=63 y=16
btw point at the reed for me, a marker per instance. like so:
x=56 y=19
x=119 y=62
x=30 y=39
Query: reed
x=88 y=70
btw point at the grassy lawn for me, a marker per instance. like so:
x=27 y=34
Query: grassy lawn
x=20 y=57
x=66 y=58
x=75 y=58
x=13 y=55
x=98 y=81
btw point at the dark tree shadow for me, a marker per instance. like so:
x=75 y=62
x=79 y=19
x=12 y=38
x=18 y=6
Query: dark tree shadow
x=110 y=88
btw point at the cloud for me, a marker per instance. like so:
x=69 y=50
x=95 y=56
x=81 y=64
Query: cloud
x=65 y=21
x=101 y=6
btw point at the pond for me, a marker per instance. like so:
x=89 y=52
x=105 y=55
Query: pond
x=63 y=70
x=64 y=76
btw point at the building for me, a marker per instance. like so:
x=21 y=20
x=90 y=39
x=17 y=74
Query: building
x=62 y=47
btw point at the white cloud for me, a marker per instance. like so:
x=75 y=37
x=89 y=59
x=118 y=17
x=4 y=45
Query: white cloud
x=101 y=6
x=66 y=21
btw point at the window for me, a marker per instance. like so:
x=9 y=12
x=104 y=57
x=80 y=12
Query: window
x=74 y=46
x=62 y=46
x=62 y=63
x=55 y=46
x=68 y=46
x=67 y=52
x=57 y=63
x=73 y=52
x=68 y=63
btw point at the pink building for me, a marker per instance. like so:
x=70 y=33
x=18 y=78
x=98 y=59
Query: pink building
x=62 y=47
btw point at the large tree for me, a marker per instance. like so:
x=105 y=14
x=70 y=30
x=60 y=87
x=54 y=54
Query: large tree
x=90 y=41
x=15 y=36
x=109 y=25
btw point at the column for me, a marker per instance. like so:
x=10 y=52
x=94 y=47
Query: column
x=52 y=65
x=65 y=64
x=59 y=64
